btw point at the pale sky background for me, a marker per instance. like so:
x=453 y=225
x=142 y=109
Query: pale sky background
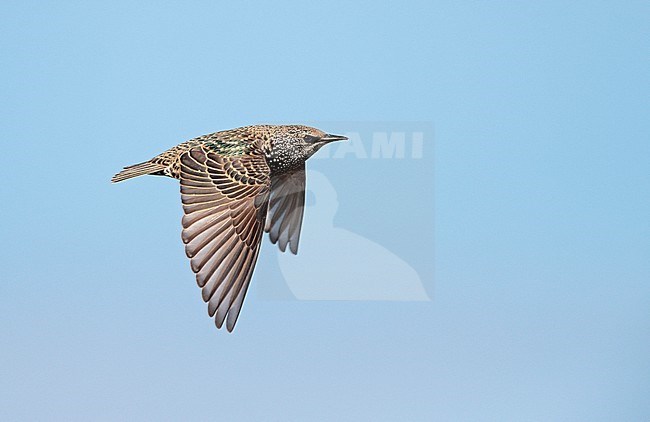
x=536 y=254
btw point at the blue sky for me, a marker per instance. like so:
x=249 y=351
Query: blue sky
x=527 y=216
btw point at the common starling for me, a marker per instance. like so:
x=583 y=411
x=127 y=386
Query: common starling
x=235 y=184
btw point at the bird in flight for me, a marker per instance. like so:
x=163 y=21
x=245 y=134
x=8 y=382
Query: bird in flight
x=235 y=185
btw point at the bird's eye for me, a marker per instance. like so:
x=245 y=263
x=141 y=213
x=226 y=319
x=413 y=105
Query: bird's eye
x=311 y=139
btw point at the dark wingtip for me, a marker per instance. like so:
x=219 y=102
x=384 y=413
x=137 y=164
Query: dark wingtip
x=218 y=323
x=293 y=247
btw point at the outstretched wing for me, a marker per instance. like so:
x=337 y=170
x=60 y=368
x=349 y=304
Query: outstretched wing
x=286 y=208
x=225 y=202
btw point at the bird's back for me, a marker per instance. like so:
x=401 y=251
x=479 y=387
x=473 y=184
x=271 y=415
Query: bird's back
x=245 y=140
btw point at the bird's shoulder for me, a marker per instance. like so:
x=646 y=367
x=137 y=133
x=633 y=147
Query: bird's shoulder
x=238 y=154
x=248 y=140
x=249 y=144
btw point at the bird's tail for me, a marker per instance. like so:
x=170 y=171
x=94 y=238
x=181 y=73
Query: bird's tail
x=137 y=170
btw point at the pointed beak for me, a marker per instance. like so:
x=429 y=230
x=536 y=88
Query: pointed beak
x=331 y=138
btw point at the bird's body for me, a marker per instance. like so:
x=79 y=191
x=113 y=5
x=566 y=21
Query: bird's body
x=235 y=185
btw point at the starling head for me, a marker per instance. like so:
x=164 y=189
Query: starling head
x=294 y=144
x=314 y=139
x=308 y=139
